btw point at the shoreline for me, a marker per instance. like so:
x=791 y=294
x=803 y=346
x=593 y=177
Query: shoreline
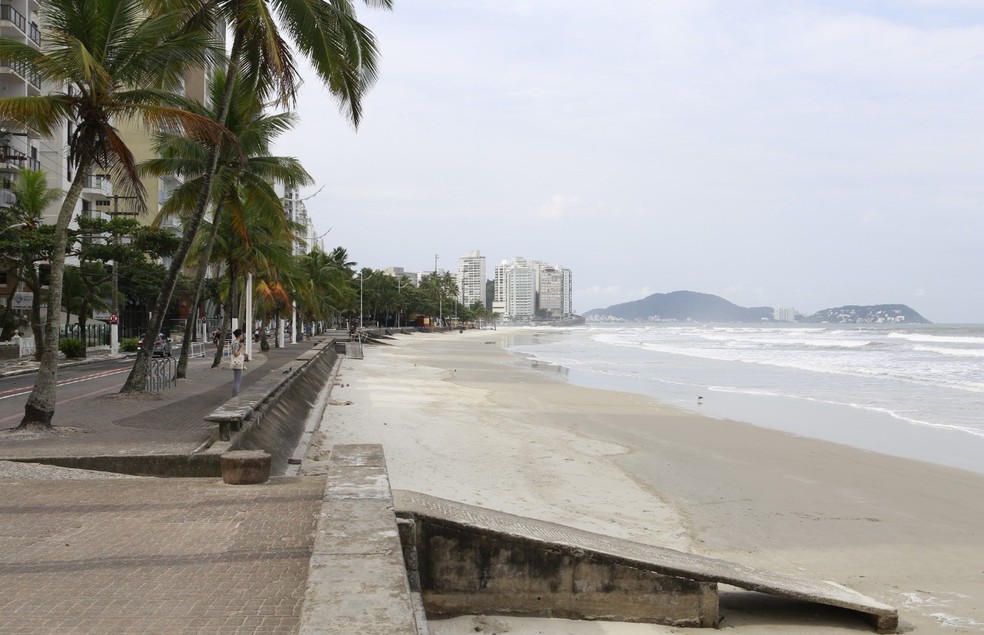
x=461 y=417
x=842 y=423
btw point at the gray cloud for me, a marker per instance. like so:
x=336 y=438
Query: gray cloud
x=794 y=153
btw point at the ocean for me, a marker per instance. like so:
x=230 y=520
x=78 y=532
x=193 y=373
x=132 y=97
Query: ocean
x=913 y=391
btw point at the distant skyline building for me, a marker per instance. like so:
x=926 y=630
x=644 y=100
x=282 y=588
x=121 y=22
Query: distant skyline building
x=471 y=278
x=784 y=315
x=525 y=289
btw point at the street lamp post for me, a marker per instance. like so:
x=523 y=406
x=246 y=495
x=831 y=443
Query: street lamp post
x=399 y=292
x=361 y=291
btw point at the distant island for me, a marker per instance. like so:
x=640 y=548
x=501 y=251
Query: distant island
x=689 y=306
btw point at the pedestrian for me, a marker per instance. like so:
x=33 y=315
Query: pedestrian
x=237 y=360
x=215 y=338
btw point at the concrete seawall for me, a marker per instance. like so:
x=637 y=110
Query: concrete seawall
x=272 y=415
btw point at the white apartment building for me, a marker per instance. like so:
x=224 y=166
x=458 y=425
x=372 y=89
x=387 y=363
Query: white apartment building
x=471 y=278
x=525 y=289
x=19 y=147
x=296 y=212
x=784 y=315
x=515 y=289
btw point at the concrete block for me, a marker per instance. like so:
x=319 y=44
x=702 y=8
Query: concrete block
x=245 y=467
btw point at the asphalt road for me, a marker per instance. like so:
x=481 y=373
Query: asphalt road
x=75 y=383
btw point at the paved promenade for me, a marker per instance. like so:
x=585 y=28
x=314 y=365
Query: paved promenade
x=84 y=552
x=169 y=421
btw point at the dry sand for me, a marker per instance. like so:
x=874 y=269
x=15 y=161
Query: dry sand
x=461 y=418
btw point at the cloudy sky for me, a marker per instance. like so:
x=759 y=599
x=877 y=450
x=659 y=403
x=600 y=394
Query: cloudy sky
x=795 y=153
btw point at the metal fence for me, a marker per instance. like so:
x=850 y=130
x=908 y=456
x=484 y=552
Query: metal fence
x=162 y=373
x=94 y=335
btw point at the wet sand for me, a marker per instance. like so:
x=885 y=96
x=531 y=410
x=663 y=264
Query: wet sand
x=461 y=418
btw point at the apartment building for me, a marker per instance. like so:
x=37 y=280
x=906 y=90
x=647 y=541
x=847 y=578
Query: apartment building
x=297 y=213
x=471 y=278
x=525 y=289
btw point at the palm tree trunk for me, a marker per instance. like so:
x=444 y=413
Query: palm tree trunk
x=33 y=281
x=206 y=257
x=136 y=380
x=40 y=407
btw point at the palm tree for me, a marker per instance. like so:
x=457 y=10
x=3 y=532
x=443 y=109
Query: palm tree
x=246 y=166
x=114 y=62
x=322 y=282
x=254 y=234
x=32 y=245
x=326 y=32
x=84 y=289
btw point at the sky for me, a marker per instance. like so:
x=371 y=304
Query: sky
x=784 y=153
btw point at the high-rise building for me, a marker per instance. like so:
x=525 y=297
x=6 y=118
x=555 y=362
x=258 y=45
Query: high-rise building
x=515 y=289
x=529 y=288
x=296 y=212
x=471 y=278
x=550 y=292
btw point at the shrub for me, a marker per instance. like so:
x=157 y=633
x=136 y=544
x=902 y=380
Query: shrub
x=130 y=344
x=72 y=347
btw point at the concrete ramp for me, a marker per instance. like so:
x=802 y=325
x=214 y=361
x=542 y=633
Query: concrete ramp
x=472 y=560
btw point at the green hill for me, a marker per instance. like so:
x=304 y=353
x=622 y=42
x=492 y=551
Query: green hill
x=682 y=306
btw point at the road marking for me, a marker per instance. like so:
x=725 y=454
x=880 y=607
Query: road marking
x=17 y=392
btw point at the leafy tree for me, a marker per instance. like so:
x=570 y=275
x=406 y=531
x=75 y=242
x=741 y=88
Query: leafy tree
x=323 y=284
x=243 y=179
x=25 y=243
x=97 y=242
x=327 y=33
x=113 y=61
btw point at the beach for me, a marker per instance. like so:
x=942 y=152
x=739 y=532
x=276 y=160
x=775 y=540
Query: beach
x=460 y=417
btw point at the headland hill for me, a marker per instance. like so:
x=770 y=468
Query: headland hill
x=690 y=306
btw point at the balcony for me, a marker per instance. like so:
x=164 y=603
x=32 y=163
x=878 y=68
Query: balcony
x=97 y=187
x=7 y=198
x=25 y=72
x=11 y=17
x=12 y=159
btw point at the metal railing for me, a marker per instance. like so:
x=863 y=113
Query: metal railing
x=17 y=18
x=162 y=373
x=95 y=334
x=13 y=16
x=24 y=70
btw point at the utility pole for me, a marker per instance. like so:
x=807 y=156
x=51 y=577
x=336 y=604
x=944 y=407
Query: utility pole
x=114 y=315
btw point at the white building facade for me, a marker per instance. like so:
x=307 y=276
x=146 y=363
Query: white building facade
x=471 y=278
x=528 y=289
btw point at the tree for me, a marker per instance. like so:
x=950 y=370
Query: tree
x=327 y=33
x=120 y=240
x=246 y=170
x=114 y=61
x=25 y=243
x=323 y=283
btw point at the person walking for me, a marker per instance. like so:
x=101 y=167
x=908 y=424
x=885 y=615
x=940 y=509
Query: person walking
x=237 y=360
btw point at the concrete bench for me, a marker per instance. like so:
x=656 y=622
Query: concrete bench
x=357 y=580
